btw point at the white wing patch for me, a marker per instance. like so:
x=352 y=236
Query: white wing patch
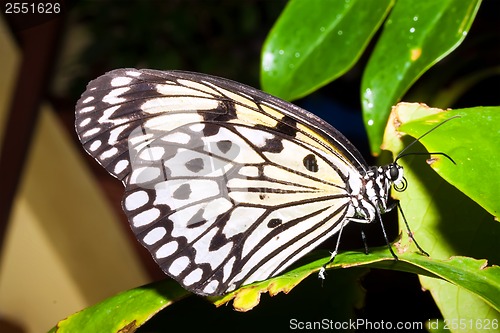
x=155 y=235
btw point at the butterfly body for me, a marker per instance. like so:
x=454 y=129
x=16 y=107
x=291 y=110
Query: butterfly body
x=225 y=185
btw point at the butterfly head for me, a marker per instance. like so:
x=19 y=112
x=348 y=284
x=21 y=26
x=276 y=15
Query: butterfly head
x=383 y=177
x=395 y=174
x=379 y=180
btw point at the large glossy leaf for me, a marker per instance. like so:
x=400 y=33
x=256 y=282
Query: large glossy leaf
x=445 y=221
x=472 y=141
x=468 y=273
x=129 y=310
x=416 y=35
x=315 y=41
x=124 y=312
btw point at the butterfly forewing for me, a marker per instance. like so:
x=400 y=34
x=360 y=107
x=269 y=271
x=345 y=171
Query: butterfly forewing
x=224 y=185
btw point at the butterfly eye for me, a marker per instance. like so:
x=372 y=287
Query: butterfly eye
x=397 y=178
x=394 y=173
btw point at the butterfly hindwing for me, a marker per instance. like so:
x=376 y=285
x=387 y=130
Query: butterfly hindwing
x=224 y=185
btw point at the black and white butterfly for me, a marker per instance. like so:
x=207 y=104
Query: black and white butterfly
x=225 y=185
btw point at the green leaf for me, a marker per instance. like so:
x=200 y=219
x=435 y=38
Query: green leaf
x=468 y=273
x=247 y=297
x=444 y=220
x=473 y=142
x=124 y=312
x=416 y=35
x=458 y=304
x=315 y=41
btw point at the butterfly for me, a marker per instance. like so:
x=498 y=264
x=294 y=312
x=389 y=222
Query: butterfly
x=226 y=185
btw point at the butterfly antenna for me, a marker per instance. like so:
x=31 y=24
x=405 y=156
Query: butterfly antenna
x=401 y=153
x=426 y=153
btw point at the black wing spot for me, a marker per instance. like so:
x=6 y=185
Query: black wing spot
x=224 y=145
x=288 y=126
x=195 y=165
x=274 y=145
x=183 y=192
x=197 y=219
x=218 y=241
x=311 y=163
x=210 y=129
x=273 y=223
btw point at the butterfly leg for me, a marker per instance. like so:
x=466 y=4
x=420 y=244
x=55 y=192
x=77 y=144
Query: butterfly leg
x=322 y=270
x=363 y=237
x=410 y=234
x=385 y=234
